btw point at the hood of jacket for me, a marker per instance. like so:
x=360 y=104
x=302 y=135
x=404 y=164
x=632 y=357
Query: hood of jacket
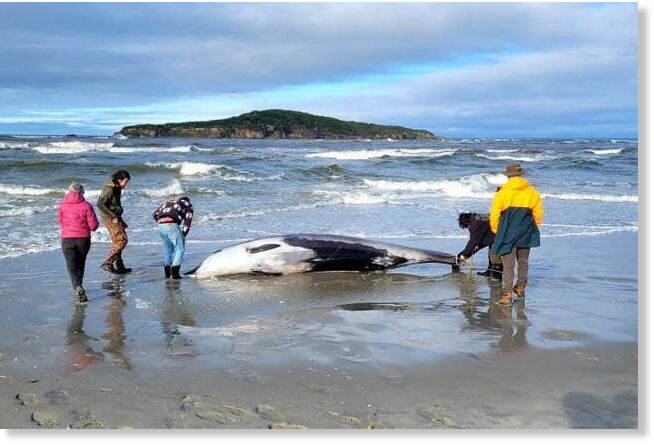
x=516 y=183
x=73 y=198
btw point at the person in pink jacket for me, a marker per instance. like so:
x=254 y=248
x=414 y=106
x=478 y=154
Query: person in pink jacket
x=77 y=220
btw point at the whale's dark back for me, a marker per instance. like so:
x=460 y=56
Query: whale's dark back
x=335 y=254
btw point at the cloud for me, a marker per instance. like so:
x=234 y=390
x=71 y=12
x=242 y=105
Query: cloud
x=421 y=63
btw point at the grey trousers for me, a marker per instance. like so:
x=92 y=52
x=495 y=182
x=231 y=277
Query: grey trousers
x=521 y=256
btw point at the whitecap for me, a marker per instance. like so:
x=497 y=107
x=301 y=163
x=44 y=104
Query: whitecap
x=482 y=186
x=381 y=153
x=25 y=211
x=27 y=190
x=521 y=158
x=72 y=147
x=186 y=168
x=14 y=145
x=609 y=151
x=591 y=197
x=175 y=188
x=490 y=150
x=354 y=198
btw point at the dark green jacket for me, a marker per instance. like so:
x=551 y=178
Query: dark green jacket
x=109 y=201
x=517 y=228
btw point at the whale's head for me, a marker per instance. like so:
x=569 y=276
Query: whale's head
x=264 y=256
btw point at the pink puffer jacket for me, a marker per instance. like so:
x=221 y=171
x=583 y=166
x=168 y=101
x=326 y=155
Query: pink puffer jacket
x=76 y=217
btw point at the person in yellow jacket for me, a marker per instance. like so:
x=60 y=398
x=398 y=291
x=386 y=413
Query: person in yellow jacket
x=515 y=216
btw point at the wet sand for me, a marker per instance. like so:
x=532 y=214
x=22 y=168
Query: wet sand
x=417 y=348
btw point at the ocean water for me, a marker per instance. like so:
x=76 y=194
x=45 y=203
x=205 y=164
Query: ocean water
x=398 y=191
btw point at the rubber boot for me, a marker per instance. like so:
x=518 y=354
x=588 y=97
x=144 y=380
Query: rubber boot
x=496 y=272
x=120 y=267
x=175 y=272
x=108 y=266
x=167 y=271
x=489 y=270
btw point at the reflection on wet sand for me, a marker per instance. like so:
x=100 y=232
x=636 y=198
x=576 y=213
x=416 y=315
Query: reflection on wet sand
x=510 y=321
x=177 y=311
x=77 y=341
x=115 y=335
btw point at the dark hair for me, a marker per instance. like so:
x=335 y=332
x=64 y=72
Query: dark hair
x=464 y=220
x=119 y=175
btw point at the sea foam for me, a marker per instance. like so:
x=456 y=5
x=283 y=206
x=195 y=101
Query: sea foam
x=382 y=153
x=27 y=190
x=475 y=186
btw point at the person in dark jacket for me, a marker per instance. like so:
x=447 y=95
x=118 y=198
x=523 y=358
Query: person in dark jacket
x=516 y=214
x=174 y=218
x=77 y=220
x=481 y=237
x=111 y=212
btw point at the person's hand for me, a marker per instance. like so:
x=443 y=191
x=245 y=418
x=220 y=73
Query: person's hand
x=461 y=258
x=115 y=220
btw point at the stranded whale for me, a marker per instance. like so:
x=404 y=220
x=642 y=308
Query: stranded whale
x=286 y=254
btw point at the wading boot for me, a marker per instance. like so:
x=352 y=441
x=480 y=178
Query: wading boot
x=167 y=272
x=175 y=272
x=506 y=299
x=519 y=290
x=109 y=267
x=488 y=272
x=120 y=267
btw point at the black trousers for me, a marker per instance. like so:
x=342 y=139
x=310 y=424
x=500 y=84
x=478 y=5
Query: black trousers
x=75 y=251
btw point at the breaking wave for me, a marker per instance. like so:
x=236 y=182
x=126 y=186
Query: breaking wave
x=608 y=151
x=383 y=153
x=475 y=186
x=590 y=197
x=74 y=147
x=522 y=158
x=175 y=188
x=25 y=211
x=28 y=191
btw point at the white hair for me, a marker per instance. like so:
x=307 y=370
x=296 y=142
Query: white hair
x=76 y=187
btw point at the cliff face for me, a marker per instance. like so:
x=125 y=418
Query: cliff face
x=276 y=124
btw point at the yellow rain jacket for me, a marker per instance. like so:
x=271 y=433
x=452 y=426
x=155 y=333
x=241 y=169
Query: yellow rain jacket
x=515 y=216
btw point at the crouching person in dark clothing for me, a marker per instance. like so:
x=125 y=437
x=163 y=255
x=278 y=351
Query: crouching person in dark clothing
x=77 y=220
x=174 y=218
x=481 y=236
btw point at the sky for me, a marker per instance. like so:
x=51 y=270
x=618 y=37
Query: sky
x=456 y=69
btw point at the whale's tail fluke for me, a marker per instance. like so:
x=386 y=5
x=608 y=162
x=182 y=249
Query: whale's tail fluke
x=440 y=257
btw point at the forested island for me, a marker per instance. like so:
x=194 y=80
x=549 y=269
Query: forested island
x=276 y=124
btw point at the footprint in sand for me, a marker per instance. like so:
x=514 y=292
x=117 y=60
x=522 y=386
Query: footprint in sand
x=346 y=420
x=268 y=413
x=432 y=415
x=286 y=426
x=225 y=414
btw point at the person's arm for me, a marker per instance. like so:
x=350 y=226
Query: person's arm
x=91 y=219
x=537 y=211
x=105 y=194
x=157 y=213
x=477 y=231
x=496 y=210
x=188 y=219
x=60 y=215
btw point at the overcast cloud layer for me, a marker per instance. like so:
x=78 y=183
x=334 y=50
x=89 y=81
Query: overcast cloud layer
x=498 y=70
